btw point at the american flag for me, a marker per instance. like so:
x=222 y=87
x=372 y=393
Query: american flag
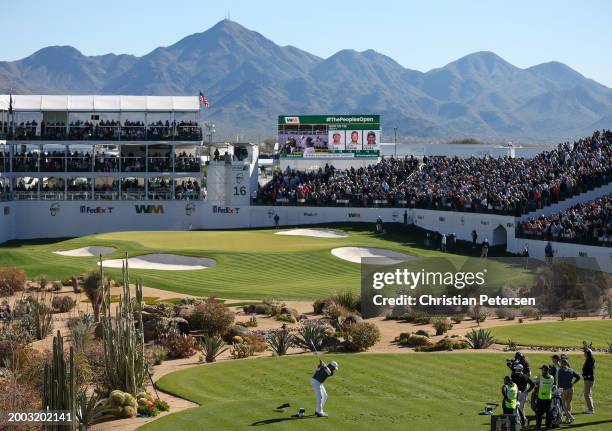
x=203 y=99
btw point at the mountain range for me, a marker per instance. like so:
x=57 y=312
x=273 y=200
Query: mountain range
x=250 y=80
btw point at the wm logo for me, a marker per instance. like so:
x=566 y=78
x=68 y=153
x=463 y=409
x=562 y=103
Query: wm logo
x=149 y=209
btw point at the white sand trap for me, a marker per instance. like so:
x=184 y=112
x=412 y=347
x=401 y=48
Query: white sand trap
x=319 y=233
x=162 y=262
x=87 y=251
x=384 y=256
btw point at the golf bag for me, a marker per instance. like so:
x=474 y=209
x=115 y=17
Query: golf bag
x=506 y=423
x=522 y=418
x=556 y=407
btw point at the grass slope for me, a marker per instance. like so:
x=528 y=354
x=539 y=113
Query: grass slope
x=251 y=264
x=557 y=334
x=370 y=392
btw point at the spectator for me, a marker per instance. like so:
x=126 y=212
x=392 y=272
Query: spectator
x=588 y=375
x=566 y=379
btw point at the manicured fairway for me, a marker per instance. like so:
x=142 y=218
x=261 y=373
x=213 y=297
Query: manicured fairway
x=557 y=334
x=427 y=392
x=251 y=264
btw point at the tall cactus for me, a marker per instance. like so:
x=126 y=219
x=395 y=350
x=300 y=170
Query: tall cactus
x=124 y=341
x=59 y=387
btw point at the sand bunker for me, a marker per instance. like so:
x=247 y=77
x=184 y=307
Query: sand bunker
x=87 y=251
x=384 y=256
x=319 y=233
x=162 y=262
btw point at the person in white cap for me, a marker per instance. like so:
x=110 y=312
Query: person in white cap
x=321 y=374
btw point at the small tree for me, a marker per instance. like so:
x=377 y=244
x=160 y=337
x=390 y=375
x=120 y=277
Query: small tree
x=607 y=309
x=93 y=284
x=212 y=317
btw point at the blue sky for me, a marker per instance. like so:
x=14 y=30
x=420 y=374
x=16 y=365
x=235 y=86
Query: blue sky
x=418 y=34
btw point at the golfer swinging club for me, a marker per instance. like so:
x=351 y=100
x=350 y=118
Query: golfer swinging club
x=323 y=372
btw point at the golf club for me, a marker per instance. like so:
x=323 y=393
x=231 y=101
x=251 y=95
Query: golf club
x=315 y=352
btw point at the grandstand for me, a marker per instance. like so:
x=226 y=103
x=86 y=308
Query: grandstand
x=77 y=165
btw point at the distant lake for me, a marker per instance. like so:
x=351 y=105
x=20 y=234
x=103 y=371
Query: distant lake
x=460 y=150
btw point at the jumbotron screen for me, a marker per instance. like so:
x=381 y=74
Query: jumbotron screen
x=329 y=135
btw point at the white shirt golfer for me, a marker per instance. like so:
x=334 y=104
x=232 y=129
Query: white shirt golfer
x=323 y=372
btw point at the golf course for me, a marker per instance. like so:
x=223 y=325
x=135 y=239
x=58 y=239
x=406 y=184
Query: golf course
x=249 y=264
x=369 y=392
x=563 y=334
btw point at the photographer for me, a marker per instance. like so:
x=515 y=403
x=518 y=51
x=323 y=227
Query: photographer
x=519 y=359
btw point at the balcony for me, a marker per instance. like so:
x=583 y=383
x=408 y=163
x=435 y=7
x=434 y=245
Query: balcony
x=104 y=131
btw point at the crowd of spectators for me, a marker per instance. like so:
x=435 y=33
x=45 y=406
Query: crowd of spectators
x=503 y=185
x=378 y=184
x=587 y=223
x=103 y=130
x=187 y=189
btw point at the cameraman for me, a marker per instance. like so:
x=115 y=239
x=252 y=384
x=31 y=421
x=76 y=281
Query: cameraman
x=520 y=358
x=524 y=384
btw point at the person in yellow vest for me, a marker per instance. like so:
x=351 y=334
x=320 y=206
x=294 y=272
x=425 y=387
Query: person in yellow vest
x=544 y=391
x=510 y=394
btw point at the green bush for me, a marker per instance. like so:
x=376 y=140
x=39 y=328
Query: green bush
x=480 y=339
x=286 y=318
x=212 y=317
x=81 y=336
x=212 y=347
x=442 y=325
x=56 y=286
x=280 y=341
x=311 y=335
x=413 y=340
x=422 y=332
x=442 y=345
x=359 y=337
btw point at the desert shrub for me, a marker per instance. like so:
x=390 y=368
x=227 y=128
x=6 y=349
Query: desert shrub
x=257 y=309
x=56 y=286
x=311 y=335
x=606 y=310
x=480 y=339
x=361 y=336
x=212 y=347
x=506 y=313
x=212 y=317
x=512 y=346
x=458 y=318
x=422 y=332
x=11 y=280
x=156 y=354
x=335 y=313
x=442 y=325
x=275 y=306
x=178 y=345
x=240 y=350
x=347 y=299
x=443 y=345
x=478 y=314
x=191 y=301
x=609 y=346
x=417 y=316
x=413 y=340
x=63 y=304
x=42 y=281
x=81 y=337
x=318 y=306
x=286 y=318
x=529 y=312
x=41 y=317
x=257 y=343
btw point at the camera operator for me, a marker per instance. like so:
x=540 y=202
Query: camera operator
x=519 y=359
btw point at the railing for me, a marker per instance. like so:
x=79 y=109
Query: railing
x=160 y=164
x=79 y=164
x=133 y=164
x=52 y=196
x=106 y=196
x=187 y=164
x=160 y=194
x=90 y=132
x=139 y=195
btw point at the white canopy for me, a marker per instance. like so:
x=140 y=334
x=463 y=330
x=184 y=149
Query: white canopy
x=99 y=103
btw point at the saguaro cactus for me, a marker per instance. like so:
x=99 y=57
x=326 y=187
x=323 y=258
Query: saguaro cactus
x=124 y=341
x=59 y=387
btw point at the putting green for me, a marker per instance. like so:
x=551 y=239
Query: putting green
x=433 y=392
x=251 y=264
x=557 y=334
